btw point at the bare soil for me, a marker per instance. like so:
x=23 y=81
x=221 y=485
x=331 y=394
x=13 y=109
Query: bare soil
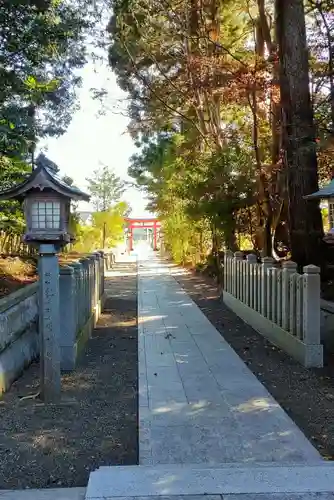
x=16 y=272
x=95 y=424
x=307 y=395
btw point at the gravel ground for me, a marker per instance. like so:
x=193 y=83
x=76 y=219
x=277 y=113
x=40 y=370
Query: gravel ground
x=307 y=395
x=96 y=422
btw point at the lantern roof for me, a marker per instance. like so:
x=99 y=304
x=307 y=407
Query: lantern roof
x=44 y=176
x=325 y=192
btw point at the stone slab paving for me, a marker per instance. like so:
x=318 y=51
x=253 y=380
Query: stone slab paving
x=46 y=494
x=272 y=496
x=229 y=479
x=208 y=429
x=281 y=496
x=199 y=403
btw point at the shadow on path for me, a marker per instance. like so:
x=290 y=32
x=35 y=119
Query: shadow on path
x=307 y=395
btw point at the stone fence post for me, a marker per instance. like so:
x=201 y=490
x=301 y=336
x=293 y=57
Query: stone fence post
x=238 y=257
x=90 y=285
x=228 y=271
x=311 y=305
x=249 y=278
x=97 y=277
x=102 y=276
x=267 y=263
x=68 y=318
x=78 y=275
x=101 y=272
x=289 y=268
x=93 y=286
x=105 y=262
x=84 y=307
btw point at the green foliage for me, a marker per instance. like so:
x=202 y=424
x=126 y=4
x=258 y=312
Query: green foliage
x=194 y=192
x=188 y=243
x=110 y=223
x=203 y=87
x=176 y=65
x=12 y=171
x=325 y=221
x=105 y=188
x=43 y=44
x=88 y=239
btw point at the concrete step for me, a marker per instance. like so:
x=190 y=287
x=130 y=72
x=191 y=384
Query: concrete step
x=108 y=483
x=45 y=494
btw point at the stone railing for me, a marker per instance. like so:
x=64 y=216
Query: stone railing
x=109 y=260
x=279 y=303
x=81 y=290
x=19 y=344
x=81 y=287
x=327 y=325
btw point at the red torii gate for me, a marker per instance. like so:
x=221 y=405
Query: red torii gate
x=142 y=223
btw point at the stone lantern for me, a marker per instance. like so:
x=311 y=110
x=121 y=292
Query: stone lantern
x=46 y=202
x=326 y=193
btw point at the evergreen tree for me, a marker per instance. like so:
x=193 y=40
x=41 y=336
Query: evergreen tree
x=105 y=188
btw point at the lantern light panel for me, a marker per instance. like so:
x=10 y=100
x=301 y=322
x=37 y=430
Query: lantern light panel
x=45 y=215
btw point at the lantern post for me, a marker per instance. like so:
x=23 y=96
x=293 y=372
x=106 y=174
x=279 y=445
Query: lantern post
x=49 y=321
x=46 y=202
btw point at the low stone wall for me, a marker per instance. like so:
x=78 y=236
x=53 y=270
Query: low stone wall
x=327 y=324
x=81 y=286
x=19 y=342
x=280 y=303
x=109 y=260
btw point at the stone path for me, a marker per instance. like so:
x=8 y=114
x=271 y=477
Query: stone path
x=208 y=429
x=199 y=403
x=44 y=494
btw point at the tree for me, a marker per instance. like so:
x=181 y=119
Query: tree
x=177 y=66
x=106 y=229
x=42 y=44
x=305 y=222
x=111 y=223
x=12 y=171
x=219 y=141
x=105 y=187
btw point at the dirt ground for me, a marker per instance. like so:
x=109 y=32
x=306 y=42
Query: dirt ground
x=96 y=422
x=307 y=395
x=15 y=272
x=18 y=271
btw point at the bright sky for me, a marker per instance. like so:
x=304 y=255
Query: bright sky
x=92 y=139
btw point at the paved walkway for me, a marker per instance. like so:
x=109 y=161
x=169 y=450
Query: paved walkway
x=199 y=403
x=208 y=429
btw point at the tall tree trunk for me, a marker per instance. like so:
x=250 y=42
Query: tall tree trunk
x=229 y=230
x=277 y=184
x=216 y=245
x=330 y=41
x=305 y=223
x=257 y=101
